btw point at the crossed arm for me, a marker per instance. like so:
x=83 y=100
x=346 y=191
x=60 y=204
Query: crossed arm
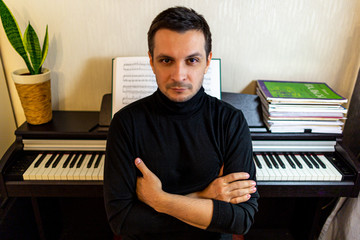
x=196 y=208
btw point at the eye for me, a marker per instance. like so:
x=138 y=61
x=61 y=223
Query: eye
x=193 y=60
x=165 y=60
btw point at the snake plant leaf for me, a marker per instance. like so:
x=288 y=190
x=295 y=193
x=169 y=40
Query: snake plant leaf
x=32 y=45
x=24 y=40
x=45 y=47
x=13 y=33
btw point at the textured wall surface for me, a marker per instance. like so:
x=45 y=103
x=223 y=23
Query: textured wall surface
x=310 y=40
x=7 y=121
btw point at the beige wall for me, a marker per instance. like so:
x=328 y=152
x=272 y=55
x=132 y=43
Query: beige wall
x=310 y=40
x=7 y=121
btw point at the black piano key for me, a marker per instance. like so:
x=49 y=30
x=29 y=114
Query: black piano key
x=273 y=161
x=78 y=165
x=312 y=160
x=91 y=161
x=67 y=161
x=98 y=161
x=306 y=161
x=57 y=160
x=40 y=160
x=257 y=162
x=319 y=161
x=280 y=161
x=51 y=159
x=266 y=161
x=296 y=161
x=290 y=161
x=72 y=164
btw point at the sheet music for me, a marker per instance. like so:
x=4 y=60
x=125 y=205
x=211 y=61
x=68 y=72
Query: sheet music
x=134 y=79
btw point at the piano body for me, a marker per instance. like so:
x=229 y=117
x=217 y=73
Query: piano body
x=64 y=158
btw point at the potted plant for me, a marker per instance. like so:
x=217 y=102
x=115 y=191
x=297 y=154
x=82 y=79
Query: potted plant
x=33 y=83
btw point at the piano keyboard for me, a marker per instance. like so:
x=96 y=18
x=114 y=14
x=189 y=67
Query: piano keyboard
x=88 y=166
x=66 y=166
x=295 y=167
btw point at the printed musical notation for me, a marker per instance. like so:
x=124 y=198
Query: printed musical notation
x=134 y=79
x=136 y=87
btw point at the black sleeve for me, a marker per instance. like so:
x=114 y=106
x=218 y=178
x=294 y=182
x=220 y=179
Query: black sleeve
x=236 y=218
x=126 y=214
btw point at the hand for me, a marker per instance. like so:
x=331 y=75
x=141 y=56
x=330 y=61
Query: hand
x=148 y=187
x=233 y=188
x=196 y=212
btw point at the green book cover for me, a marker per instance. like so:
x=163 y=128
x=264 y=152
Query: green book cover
x=298 y=90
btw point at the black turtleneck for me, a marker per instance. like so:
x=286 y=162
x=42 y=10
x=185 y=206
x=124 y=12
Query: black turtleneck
x=184 y=144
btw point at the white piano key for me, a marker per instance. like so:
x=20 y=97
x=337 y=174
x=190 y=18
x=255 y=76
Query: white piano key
x=53 y=172
x=308 y=172
x=96 y=172
x=64 y=171
x=90 y=171
x=276 y=171
x=337 y=176
x=78 y=166
x=71 y=171
x=316 y=174
x=262 y=175
x=323 y=174
x=284 y=175
x=330 y=174
x=81 y=172
x=101 y=167
x=292 y=174
x=268 y=173
x=259 y=173
x=283 y=171
x=31 y=168
x=300 y=173
x=39 y=173
x=46 y=170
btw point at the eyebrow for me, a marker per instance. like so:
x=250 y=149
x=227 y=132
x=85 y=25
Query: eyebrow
x=196 y=54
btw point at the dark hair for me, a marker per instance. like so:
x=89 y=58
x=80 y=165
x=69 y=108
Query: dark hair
x=179 y=19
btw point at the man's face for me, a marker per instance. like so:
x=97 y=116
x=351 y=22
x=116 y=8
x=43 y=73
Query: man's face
x=179 y=63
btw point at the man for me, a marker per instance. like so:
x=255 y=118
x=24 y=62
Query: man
x=179 y=162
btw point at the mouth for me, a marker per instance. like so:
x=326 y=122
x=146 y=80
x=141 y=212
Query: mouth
x=179 y=88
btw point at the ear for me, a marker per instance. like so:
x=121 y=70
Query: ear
x=208 y=62
x=151 y=62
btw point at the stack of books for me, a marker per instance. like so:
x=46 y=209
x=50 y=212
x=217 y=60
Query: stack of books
x=306 y=107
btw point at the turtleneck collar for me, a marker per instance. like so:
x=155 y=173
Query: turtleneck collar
x=184 y=109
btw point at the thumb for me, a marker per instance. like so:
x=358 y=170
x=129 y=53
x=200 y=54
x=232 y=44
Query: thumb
x=221 y=171
x=141 y=166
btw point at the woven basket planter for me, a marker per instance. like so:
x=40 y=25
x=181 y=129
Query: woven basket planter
x=35 y=95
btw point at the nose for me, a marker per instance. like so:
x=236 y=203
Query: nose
x=179 y=72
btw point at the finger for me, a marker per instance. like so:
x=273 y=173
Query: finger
x=235 y=177
x=241 y=192
x=141 y=166
x=244 y=184
x=241 y=199
x=221 y=171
